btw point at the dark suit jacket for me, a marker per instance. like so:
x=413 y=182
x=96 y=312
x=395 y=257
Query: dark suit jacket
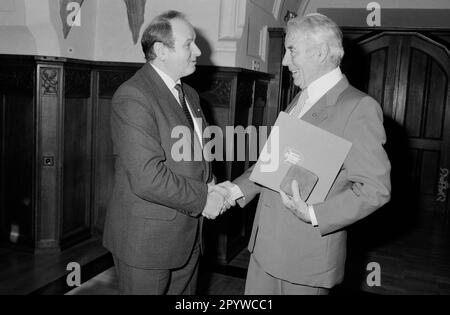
x=153 y=215
x=292 y=250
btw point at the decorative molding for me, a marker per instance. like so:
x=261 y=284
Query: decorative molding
x=136 y=13
x=253 y=40
x=277 y=5
x=49 y=81
x=225 y=53
x=232 y=19
x=221 y=88
x=263 y=39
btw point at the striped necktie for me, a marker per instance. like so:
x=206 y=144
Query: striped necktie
x=184 y=105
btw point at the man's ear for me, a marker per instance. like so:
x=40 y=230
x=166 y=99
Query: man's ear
x=160 y=50
x=322 y=52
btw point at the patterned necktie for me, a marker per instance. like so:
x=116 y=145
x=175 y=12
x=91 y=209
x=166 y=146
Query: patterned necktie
x=300 y=104
x=184 y=105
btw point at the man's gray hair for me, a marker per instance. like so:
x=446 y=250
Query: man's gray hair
x=321 y=29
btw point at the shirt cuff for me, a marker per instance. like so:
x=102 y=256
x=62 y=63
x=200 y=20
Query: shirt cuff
x=236 y=192
x=312 y=216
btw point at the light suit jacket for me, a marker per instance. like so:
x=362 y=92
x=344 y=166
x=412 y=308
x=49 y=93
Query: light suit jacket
x=288 y=248
x=154 y=212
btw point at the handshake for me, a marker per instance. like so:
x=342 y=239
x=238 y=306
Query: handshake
x=220 y=199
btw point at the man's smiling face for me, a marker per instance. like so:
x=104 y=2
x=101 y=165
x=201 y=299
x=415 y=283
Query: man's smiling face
x=299 y=59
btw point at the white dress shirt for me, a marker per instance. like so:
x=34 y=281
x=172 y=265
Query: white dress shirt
x=171 y=85
x=320 y=87
x=315 y=91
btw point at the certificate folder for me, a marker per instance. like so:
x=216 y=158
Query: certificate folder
x=294 y=142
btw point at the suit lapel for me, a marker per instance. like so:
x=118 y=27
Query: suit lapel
x=156 y=83
x=173 y=106
x=293 y=103
x=319 y=111
x=196 y=109
x=198 y=113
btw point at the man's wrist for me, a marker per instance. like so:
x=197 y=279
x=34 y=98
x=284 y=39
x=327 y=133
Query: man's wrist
x=236 y=192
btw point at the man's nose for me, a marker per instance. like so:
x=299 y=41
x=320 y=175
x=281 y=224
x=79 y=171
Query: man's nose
x=197 y=50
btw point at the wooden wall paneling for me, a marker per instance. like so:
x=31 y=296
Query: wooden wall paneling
x=260 y=112
x=370 y=63
x=243 y=116
x=97 y=221
x=416 y=93
x=50 y=162
x=72 y=164
x=435 y=108
x=376 y=83
x=436 y=101
x=77 y=155
x=429 y=173
x=402 y=78
x=19 y=139
x=416 y=69
x=275 y=67
x=444 y=168
x=106 y=80
x=16 y=150
x=3 y=233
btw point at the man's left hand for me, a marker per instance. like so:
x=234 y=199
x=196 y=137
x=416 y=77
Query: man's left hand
x=295 y=204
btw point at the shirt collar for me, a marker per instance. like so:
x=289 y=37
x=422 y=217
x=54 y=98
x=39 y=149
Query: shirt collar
x=322 y=85
x=166 y=78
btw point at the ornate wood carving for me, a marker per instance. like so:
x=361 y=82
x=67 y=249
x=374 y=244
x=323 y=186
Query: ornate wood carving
x=221 y=88
x=49 y=81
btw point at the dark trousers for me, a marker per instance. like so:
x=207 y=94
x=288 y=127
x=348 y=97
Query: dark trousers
x=182 y=281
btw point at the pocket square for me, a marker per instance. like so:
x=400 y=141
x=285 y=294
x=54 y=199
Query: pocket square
x=306 y=181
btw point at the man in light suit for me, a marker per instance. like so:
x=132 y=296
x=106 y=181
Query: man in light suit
x=153 y=223
x=298 y=248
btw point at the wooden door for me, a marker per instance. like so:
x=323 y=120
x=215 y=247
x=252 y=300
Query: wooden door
x=408 y=74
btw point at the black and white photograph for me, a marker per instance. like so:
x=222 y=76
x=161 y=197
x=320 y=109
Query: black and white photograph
x=224 y=152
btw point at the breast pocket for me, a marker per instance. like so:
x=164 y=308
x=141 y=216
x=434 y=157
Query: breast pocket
x=153 y=211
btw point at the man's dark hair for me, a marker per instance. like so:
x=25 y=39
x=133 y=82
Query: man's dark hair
x=159 y=30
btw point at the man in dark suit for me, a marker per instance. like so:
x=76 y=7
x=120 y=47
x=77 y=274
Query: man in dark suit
x=299 y=248
x=153 y=223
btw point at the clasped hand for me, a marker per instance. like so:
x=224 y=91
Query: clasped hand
x=295 y=204
x=219 y=200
